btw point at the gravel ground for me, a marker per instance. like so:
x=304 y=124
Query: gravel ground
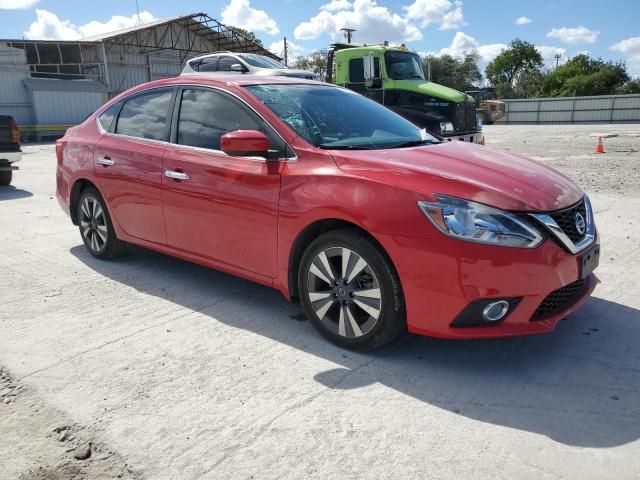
x=173 y=371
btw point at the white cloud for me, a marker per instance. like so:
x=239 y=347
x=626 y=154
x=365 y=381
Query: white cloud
x=49 y=27
x=463 y=43
x=373 y=23
x=574 y=36
x=549 y=55
x=631 y=48
x=240 y=13
x=523 y=20
x=17 y=4
x=294 y=50
x=336 y=5
x=445 y=13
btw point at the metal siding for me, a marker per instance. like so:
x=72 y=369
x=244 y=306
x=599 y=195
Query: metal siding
x=597 y=109
x=65 y=108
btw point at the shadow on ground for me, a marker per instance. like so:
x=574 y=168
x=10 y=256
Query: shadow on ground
x=12 y=193
x=579 y=385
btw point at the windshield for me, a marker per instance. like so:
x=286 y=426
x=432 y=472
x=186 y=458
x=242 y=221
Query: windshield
x=403 y=66
x=261 y=61
x=336 y=118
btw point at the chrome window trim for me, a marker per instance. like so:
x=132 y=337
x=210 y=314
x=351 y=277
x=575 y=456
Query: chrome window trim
x=551 y=225
x=219 y=152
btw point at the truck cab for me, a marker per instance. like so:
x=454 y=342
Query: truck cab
x=394 y=77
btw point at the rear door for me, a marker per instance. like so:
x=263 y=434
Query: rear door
x=225 y=208
x=128 y=163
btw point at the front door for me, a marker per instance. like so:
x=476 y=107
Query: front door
x=217 y=206
x=128 y=164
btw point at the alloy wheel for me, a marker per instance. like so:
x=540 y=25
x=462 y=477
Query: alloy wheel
x=344 y=292
x=93 y=224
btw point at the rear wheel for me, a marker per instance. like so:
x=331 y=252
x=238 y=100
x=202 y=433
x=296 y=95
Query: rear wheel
x=350 y=291
x=5 y=178
x=96 y=229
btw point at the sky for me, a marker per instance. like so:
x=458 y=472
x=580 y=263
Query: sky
x=603 y=29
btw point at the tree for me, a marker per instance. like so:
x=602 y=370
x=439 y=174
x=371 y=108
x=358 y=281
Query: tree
x=316 y=62
x=246 y=33
x=632 y=86
x=459 y=73
x=582 y=76
x=519 y=59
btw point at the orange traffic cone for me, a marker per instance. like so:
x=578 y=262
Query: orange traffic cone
x=599 y=145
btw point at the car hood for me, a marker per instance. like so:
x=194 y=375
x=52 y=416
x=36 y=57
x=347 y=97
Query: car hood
x=474 y=172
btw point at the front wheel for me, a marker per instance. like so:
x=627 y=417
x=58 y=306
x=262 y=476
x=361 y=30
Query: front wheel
x=96 y=228
x=350 y=291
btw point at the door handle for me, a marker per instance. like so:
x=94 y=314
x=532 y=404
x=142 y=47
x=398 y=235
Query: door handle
x=176 y=175
x=106 y=161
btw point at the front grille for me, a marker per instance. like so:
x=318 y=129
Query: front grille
x=566 y=220
x=559 y=300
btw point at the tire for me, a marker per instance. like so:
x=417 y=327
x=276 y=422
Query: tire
x=360 y=308
x=96 y=228
x=5 y=178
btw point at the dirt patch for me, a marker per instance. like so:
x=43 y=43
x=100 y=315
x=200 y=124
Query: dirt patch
x=41 y=443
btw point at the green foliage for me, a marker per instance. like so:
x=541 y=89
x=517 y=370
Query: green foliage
x=458 y=73
x=520 y=58
x=583 y=75
x=315 y=62
x=632 y=86
x=246 y=33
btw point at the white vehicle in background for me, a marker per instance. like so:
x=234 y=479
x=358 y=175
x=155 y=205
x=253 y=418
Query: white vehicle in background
x=10 y=151
x=246 y=63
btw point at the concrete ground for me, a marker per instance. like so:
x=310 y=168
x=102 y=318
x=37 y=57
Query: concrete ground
x=173 y=371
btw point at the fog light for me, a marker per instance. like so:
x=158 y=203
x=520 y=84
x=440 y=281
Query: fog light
x=495 y=311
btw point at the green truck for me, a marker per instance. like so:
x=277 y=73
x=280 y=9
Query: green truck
x=394 y=77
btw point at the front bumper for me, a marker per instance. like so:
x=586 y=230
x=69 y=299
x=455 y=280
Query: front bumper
x=441 y=276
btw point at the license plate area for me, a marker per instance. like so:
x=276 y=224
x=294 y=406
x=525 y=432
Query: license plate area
x=589 y=261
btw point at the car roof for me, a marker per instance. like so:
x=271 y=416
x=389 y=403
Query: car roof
x=212 y=78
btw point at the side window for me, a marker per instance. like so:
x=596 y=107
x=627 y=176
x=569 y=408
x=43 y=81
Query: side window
x=208 y=65
x=206 y=115
x=376 y=67
x=145 y=115
x=225 y=64
x=106 y=118
x=356 y=70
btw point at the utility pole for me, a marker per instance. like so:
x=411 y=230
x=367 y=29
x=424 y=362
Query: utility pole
x=348 y=33
x=286 y=53
x=557 y=56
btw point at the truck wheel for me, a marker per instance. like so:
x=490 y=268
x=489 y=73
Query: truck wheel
x=5 y=178
x=350 y=291
x=96 y=229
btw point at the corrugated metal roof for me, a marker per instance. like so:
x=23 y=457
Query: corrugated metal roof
x=124 y=31
x=56 y=85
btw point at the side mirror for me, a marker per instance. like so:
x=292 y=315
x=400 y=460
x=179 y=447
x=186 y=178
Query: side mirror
x=238 y=67
x=367 y=64
x=245 y=143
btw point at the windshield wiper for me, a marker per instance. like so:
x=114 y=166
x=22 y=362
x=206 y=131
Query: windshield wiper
x=326 y=146
x=413 y=143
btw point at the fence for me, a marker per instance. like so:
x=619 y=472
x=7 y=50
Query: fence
x=599 y=109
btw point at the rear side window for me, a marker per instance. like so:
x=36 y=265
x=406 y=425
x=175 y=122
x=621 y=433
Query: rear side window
x=145 y=115
x=206 y=115
x=207 y=65
x=225 y=64
x=107 y=117
x=356 y=70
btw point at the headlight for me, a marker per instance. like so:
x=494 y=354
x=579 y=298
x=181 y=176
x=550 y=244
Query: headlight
x=475 y=222
x=446 y=127
x=478 y=123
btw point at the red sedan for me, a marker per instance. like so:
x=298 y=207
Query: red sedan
x=374 y=225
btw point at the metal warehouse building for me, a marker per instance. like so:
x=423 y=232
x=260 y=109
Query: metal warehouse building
x=49 y=85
